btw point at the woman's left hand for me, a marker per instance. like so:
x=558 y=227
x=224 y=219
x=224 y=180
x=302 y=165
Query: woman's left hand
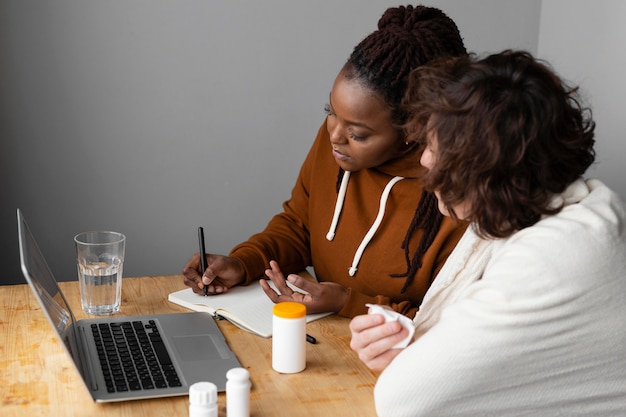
x=322 y=297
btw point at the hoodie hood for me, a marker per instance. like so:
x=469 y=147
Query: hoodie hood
x=407 y=165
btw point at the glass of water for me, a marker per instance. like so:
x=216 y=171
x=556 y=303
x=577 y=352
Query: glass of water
x=99 y=259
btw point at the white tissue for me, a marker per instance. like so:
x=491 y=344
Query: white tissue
x=391 y=315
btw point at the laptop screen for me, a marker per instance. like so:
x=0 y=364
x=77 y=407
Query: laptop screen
x=41 y=280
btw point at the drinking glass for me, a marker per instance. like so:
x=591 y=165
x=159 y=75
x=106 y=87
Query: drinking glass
x=100 y=260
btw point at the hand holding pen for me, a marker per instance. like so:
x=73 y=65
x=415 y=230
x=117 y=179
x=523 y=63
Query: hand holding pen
x=220 y=272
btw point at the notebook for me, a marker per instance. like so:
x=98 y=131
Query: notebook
x=247 y=307
x=133 y=357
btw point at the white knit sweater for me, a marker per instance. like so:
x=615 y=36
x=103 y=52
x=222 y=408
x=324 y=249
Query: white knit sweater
x=531 y=325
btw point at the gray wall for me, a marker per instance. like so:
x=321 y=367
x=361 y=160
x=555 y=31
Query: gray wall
x=154 y=117
x=584 y=41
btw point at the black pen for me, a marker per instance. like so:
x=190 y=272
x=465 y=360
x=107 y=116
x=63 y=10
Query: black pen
x=202 y=257
x=311 y=339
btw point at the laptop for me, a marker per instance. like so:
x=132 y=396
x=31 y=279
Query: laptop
x=133 y=357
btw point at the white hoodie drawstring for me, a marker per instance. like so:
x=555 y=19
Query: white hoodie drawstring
x=338 y=205
x=379 y=218
x=374 y=228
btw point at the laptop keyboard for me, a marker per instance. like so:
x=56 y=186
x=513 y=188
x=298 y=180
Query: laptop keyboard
x=133 y=356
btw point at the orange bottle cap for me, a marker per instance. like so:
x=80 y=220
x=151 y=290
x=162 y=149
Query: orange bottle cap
x=289 y=310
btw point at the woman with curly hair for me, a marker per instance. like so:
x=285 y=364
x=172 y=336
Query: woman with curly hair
x=526 y=318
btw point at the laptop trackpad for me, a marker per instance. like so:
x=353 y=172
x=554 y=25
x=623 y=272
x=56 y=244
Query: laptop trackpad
x=196 y=348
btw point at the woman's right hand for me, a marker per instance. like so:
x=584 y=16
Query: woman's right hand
x=373 y=339
x=222 y=273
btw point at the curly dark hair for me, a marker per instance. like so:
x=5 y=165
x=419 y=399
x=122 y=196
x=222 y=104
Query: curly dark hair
x=407 y=37
x=509 y=135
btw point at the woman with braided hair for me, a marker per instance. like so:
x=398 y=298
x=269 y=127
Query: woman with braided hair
x=357 y=213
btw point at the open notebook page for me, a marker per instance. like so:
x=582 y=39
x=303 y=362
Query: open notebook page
x=245 y=306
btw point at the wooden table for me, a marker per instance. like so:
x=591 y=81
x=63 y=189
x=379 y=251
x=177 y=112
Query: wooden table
x=37 y=378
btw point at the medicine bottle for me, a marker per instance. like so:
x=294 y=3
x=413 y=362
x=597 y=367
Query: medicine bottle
x=203 y=400
x=289 y=337
x=238 y=393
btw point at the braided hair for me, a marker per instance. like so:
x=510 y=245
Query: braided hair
x=407 y=37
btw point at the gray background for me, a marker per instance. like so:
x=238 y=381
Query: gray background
x=154 y=117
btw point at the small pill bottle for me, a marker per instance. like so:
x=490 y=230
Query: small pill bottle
x=289 y=337
x=238 y=393
x=203 y=400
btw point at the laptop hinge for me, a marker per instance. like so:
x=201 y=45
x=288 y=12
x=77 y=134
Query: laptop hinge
x=91 y=374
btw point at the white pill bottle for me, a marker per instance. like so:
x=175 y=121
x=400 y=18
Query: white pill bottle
x=203 y=400
x=289 y=337
x=238 y=393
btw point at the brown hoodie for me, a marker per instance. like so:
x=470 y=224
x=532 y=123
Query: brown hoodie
x=299 y=236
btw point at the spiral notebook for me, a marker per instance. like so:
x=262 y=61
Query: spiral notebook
x=247 y=307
